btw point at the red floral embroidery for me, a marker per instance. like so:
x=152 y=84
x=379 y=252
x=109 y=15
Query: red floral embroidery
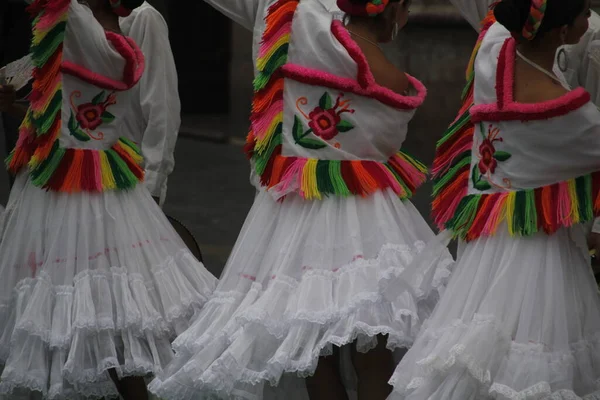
x=325 y=121
x=89 y=116
x=488 y=160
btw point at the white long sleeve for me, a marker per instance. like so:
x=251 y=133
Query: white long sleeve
x=244 y=12
x=584 y=60
x=158 y=95
x=474 y=11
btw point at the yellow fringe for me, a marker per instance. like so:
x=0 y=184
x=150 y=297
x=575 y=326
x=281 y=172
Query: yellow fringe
x=108 y=180
x=261 y=62
x=263 y=143
x=309 y=180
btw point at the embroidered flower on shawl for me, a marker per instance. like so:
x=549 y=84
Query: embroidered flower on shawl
x=489 y=158
x=325 y=121
x=89 y=116
x=487 y=161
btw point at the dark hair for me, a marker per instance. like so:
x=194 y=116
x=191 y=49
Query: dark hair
x=128 y=5
x=514 y=13
x=131 y=4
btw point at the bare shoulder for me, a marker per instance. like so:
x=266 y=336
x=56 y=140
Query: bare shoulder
x=532 y=86
x=387 y=74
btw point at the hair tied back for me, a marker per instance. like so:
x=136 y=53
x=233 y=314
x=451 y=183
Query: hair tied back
x=371 y=8
x=535 y=19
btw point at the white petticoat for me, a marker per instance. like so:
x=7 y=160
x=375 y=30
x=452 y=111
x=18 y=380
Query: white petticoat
x=90 y=282
x=519 y=320
x=302 y=277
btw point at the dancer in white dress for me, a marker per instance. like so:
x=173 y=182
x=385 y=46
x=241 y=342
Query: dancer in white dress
x=94 y=280
x=516 y=179
x=329 y=225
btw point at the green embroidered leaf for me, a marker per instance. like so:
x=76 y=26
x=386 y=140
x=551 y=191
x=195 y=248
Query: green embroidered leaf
x=325 y=102
x=502 y=155
x=482 y=130
x=300 y=136
x=475 y=174
x=107 y=117
x=345 y=126
x=99 y=98
x=75 y=131
x=312 y=144
x=478 y=183
x=482 y=185
x=298 y=129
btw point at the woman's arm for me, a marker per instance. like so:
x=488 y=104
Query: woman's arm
x=243 y=12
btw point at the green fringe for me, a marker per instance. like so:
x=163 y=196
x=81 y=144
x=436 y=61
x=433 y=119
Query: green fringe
x=277 y=60
x=43 y=172
x=464 y=216
x=45 y=121
x=324 y=178
x=42 y=52
x=460 y=162
x=124 y=178
x=337 y=181
x=261 y=160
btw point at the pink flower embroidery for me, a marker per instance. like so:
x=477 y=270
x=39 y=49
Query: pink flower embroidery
x=489 y=157
x=487 y=161
x=89 y=115
x=324 y=123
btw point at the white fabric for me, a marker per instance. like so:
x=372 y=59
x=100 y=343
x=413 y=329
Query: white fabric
x=542 y=152
x=94 y=52
x=474 y=11
x=157 y=114
x=90 y=282
x=379 y=130
x=519 y=320
x=303 y=276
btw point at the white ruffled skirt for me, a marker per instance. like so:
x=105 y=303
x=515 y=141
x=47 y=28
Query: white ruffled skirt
x=90 y=282
x=520 y=320
x=305 y=276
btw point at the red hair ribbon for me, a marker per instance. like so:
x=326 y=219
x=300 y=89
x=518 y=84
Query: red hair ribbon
x=370 y=9
x=535 y=19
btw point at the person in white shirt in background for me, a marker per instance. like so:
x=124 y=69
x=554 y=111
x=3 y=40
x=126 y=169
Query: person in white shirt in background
x=583 y=69
x=159 y=105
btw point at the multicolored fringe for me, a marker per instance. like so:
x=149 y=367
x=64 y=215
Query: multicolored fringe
x=451 y=166
x=264 y=140
x=525 y=212
x=319 y=178
x=86 y=170
x=316 y=178
x=38 y=147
